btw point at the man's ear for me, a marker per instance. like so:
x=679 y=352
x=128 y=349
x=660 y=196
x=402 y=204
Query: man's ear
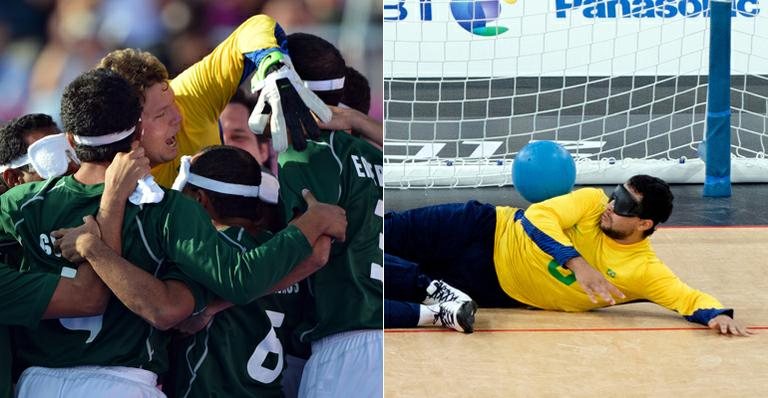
x=645 y=225
x=71 y=140
x=12 y=177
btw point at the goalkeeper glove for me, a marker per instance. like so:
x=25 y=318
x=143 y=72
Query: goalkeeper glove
x=285 y=104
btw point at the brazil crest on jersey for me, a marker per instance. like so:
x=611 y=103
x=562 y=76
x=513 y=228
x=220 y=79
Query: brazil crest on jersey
x=346 y=171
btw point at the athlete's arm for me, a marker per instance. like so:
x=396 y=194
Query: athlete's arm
x=545 y=222
x=199 y=321
x=86 y=294
x=352 y=119
x=28 y=297
x=83 y=295
x=236 y=276
x=321 y=219
x=319 y=257
x=162 y=303
x=592 y=281
x=119 y=182
x=663 y=287
x=204 y=89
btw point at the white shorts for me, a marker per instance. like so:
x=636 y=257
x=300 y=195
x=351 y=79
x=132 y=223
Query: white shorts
x=88 y=382
x=348 y=364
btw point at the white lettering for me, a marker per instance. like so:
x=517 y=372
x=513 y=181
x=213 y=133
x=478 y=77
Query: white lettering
x=358 y=166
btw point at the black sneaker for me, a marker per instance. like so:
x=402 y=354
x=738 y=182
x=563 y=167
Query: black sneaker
x=459 y=315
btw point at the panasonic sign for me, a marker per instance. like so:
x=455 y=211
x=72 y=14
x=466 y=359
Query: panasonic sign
x=650 y=8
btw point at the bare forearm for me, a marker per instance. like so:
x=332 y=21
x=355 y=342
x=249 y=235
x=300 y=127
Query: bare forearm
x=161 y=303
x=216 y=306
x=83 y=295
x=110 y=220
x=370 y=128
x=310 y=226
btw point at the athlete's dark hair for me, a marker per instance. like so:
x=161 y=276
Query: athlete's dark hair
x=240 y=98
x=657 y=199
x=96 y=103
x=12 y=143
x=357 y=91
x=229 y=164
x=314 y=58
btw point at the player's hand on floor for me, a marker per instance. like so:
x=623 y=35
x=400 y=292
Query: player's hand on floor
x=67 y=239
x=728 y=326
x=126 y=170
x=334 y=218
x=593 y=282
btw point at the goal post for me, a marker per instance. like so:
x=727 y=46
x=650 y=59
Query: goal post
x=623 y=85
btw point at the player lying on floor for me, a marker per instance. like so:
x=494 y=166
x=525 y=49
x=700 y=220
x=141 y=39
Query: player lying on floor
x=561 y=254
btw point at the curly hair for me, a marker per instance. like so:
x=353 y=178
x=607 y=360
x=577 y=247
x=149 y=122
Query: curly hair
x=96 y=103
x=229 y=164
x=140 y=68
x=12 y=144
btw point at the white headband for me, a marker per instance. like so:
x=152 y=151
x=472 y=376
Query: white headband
x=50 y=156
x=270 y=188
x=103 y=139
x=22 y=160
x=325 y=85
x=185 y=176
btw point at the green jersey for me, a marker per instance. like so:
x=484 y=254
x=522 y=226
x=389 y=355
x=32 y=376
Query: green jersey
x=24 y=298
x=291 y=301
x=173 y=239
x=239 y=353
x=345 y=171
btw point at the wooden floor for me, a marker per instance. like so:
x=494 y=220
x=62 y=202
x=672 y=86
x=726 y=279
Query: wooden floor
x=635 y=350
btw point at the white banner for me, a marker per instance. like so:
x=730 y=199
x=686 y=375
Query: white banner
x=512 y=38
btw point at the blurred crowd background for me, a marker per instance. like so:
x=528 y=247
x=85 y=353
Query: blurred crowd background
x=45 y=44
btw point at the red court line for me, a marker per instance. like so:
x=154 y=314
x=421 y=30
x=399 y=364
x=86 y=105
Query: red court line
x=713 y=227
x=548 y=330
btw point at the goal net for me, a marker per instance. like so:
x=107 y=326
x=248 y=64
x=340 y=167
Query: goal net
x=621 y=84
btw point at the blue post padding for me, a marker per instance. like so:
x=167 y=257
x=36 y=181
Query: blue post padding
x=717 y=182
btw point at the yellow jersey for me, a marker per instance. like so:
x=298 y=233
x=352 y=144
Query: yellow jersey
x=204 y=89
x=530 y=248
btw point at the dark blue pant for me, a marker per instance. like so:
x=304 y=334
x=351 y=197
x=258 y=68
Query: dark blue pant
x=452 y=242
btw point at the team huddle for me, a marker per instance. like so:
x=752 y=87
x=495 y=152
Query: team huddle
x=258 y=274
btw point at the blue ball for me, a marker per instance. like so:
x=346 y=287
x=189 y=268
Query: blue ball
x=543 y=170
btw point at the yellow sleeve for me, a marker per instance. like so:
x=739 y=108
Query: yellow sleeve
x=204 y=89
x=663 y=287
x=554 y=216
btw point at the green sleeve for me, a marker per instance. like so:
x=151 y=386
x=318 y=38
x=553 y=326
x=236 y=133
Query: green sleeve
x=8 y=211
x=24 y=296
x=193 y=243
x=202 y=295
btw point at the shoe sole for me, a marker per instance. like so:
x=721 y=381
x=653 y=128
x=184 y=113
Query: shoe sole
x=466 y=316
